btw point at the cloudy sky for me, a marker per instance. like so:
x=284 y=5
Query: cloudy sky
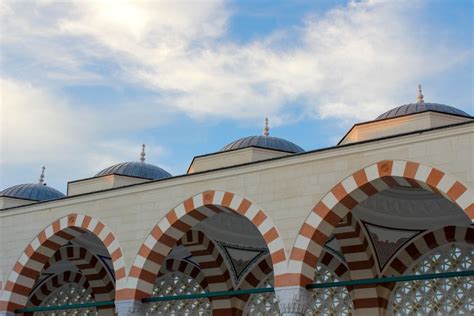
x=85 y=83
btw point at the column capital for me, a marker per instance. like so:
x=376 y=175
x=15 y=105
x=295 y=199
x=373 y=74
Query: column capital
x=130 y=308
x=293 y=300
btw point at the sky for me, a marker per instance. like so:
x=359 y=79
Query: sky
x=85 y=83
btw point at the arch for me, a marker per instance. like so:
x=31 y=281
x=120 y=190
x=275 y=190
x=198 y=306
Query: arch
x=348 y=193
x=181 y=219
x=45 y=244
x=51 y=284
x=102 y=284
x=185 y=267
x=409 y=254
x=212 y=265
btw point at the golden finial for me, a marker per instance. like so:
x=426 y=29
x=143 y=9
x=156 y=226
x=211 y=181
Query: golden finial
x=419 y=96
x=142 y=155
x=266 y=129
x=41 y=178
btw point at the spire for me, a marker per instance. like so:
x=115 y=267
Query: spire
x=41 y=178
x=419 y=96
x=266 y=128
x=142 y=154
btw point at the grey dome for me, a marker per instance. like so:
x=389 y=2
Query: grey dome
x=136 y=169
x=421 y=107
x=32 y=191
x=264 y=142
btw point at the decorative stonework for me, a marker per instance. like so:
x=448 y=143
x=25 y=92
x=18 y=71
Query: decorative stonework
x=293 y=299
x=450 y=296
x=241 y=258
x=387 y=240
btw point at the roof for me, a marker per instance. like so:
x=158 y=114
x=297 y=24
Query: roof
x=269 y=142
x=32 y=191
x=421 y=107
x=136 y=169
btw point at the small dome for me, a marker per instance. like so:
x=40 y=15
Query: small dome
x=136 y=169
x=421 y=106
x=32 y=191
x=264 y=142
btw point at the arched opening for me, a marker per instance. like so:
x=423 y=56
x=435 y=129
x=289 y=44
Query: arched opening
x=75 y=259
x=390 y=203
x=223 y=235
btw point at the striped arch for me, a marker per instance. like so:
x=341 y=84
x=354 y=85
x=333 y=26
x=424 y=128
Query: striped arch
x=409 y=254
x=348 y=193
x=182 y=218
x=101 y=282
x=186 y=268
x=360 y=258
x=426 y=242
x=44 y=245
x=53 y=283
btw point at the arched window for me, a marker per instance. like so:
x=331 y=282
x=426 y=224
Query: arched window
x=451 y=296
x=176 y=283
x=329 y=301
x=68 y=294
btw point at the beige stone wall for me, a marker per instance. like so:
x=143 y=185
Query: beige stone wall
x=286 y=189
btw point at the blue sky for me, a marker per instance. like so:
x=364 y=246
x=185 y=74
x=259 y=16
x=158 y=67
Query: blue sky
x=85 y=83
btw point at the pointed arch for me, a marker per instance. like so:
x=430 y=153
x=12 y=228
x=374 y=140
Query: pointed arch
x=45 y=244
x=182 y=218
x=351 y=191
x=55 y=282
x=102 y=284
x=186 y=268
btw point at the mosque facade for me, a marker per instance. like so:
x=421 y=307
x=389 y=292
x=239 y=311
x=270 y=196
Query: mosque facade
x=394 y=198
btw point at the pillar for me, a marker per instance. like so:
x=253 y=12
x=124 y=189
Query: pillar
x=293 y=300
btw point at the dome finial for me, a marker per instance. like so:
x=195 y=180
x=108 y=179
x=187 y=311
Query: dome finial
x=266 y=129
x=41 y=178
x=142 y=155
x=419 y=96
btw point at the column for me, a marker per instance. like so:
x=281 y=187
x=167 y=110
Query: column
x=293 y=300
x=130 y=308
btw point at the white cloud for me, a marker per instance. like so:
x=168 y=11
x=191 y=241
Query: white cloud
x=350 y=63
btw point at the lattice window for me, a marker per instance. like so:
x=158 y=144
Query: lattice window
x=451 y=296
x=330 y=301
x=176 y=283
x=263 y=303
x=66 y=295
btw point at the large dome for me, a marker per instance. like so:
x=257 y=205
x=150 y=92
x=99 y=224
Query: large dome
x=421 y=106
x=32 y=191
x=138 y=169
x=264 y=141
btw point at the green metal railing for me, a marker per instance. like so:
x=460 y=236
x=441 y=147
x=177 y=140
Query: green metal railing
x=403 y=278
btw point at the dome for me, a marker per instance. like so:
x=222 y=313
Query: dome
x=136 y=169
x=139 y=169
x=32 y=191
x=421 y=106
x=264 y=141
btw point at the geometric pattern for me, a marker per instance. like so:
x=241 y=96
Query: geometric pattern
x=44 y=245
x=451 y=296
x=165 y=235
x=176 y=283
x=70 y=293
x=52 y=284
x=351 y=191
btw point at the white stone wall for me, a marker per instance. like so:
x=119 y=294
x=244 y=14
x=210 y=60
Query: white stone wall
x=286 y=189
